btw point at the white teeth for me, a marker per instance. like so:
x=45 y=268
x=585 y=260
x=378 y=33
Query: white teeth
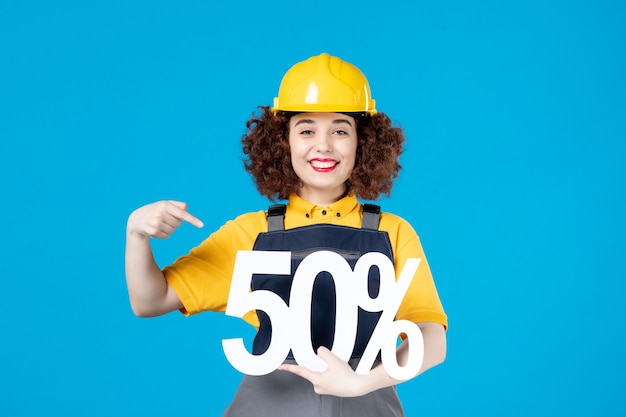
x=323 y=165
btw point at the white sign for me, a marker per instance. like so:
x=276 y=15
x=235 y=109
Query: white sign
x=291 y=323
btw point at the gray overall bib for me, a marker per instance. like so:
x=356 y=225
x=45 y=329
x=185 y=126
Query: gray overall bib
x=281 y=393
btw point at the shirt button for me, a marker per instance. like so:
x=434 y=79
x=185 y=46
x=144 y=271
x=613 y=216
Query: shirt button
x=307 y=215
x=338 y=214
x=323 y=212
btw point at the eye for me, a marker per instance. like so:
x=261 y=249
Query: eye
x=306 y=132
x=341 y=132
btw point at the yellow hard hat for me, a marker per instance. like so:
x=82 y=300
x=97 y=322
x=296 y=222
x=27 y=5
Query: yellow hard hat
x=324 y=83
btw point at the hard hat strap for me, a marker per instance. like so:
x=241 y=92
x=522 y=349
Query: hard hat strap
x=355 y=115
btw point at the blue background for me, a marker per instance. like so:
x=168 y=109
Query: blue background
x=513 y=177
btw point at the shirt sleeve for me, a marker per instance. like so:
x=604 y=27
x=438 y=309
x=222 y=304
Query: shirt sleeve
x=201 y=278
x=421 y=302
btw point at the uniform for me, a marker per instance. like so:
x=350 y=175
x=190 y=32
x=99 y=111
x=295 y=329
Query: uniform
x=201 y=280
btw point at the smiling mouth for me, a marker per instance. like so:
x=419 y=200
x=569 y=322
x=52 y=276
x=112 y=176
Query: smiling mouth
x=323 y=165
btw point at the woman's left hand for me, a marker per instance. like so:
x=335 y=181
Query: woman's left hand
x=338 y=379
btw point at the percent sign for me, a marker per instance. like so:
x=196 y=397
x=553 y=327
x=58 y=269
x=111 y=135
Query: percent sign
x=290 y=324
x=385 y=334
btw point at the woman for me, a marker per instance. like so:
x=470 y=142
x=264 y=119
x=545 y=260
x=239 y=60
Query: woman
x=321 y=146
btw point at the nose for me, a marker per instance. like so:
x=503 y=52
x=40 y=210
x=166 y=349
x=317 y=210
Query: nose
x=325 y=143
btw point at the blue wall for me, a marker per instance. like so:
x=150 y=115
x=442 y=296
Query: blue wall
x=513 y=177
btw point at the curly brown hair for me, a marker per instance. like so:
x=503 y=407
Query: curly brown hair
x=266 y=144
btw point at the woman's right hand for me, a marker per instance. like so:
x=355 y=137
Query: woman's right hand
x=159 y=219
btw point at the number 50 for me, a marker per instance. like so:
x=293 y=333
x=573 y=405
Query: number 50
x=288 y=331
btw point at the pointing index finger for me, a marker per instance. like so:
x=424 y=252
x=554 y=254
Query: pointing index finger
x=192 y=220
x=179 y=210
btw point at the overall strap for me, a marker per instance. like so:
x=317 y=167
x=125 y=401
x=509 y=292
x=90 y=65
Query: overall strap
x=276 y=217
x=371 y=216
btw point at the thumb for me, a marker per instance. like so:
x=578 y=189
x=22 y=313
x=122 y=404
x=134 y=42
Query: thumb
x=325 y=354
x=179 y=204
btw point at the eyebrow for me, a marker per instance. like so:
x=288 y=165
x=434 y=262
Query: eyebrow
x=311 y=121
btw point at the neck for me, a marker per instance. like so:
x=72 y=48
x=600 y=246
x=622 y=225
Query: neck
x=322 y=198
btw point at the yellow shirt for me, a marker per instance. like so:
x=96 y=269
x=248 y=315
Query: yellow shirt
x=202 y=277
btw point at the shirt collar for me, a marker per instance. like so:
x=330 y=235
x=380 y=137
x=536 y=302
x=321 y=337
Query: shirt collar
x=302 y=208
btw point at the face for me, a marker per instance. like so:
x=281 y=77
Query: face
x=323 y=151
